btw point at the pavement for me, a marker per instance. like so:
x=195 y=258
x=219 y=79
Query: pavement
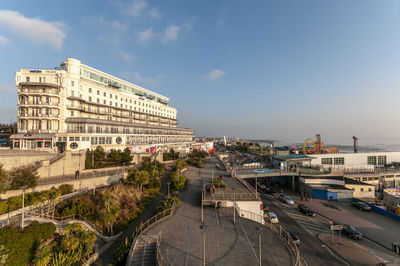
x=227 y=243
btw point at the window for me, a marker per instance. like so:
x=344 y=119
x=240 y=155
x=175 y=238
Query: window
x=364 y=179
x=110 y=102
x=110 y=95
x=47 y=99
x=102 y=140
x=72 y=93
x=90 y=90
x=371 y=160
x=369 y=189
x=28 y=79
x=108 y=140
x=98 y=92
x=72 y=83
x=104 y=94
x=98 y=100
x=72 y=113
x=40 y=79
x=71 y=138
x=338 y=161
x=93 y=141
x=382 y=160
x=90 y=99
x=353 y=189
x=116 y=97
x=362 y=189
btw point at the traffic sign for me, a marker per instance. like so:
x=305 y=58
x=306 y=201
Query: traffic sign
x=336 y=227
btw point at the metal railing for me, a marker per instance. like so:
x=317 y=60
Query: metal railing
x=278 y=229
x=231 y=196
x=143 y=228
x=160 y=259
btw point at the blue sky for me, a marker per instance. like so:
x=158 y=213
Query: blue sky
x=255 y=69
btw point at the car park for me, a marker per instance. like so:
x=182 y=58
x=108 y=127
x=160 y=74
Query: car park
x=272 y=218
x=306 y=210
x=361 y=205
x=351 y=231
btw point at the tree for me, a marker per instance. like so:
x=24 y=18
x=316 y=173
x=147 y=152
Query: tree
x=4 y=180
x=43 y=255
x=54 y=196
x=99 y=156
x=112 y=212
x=142 y=178
x=114 y=157
x=89 y=160
x=26 y=175
x=126 y=156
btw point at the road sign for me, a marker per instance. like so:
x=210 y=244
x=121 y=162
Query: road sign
x=336 y=227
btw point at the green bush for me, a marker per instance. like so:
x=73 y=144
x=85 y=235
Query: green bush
x=167 y=203
x=218 y=183
x=21 y=245
x=66 y=189
x=196 y=162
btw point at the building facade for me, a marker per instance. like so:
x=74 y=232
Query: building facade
x=77 y=107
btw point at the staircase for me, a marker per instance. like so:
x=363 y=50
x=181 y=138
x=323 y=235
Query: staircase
x=145 y=253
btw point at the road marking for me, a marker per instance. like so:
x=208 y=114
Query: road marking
x=251 y=246
x=324 y=246
x=188 y=246
x=216 y=216
x=370 y=251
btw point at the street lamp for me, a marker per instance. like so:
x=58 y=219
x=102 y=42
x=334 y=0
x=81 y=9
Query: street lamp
x=169 y=183
x=259 y=229
x=23 y=206
x=203 y=227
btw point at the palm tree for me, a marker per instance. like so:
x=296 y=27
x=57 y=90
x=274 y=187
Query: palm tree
x=43 y=255
x=112 y=212
x=54 y=197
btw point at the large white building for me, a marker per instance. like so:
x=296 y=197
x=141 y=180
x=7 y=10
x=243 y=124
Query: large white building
x=77 y=107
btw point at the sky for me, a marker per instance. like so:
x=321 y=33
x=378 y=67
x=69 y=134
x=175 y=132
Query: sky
x=260 y=69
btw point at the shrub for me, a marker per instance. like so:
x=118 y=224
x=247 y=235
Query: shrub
x=21 y=245
x=66 y=189
x=167 y=203
x=26 y=175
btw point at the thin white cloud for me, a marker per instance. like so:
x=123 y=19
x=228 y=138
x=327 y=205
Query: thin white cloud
x=155 y=13
x=215 y=74
x=146 y=35
x=8 y=89
x=222 y=19
x=134 y=7
x=34 y=29
x=3 y=40
x=127 y=57
x=171 y=33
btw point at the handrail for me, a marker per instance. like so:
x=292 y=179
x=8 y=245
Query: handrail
x=146 y=225
x=283 y=234
x=160 y=259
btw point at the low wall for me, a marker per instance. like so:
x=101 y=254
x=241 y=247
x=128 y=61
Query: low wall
x=15 y=158
x=79 y=184
x=381 y=211
x=65 y=165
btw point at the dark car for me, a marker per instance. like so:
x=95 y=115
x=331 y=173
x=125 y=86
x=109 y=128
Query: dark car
x=270 y=191
x=306 y=210
x=351 y=231
x=295 y=238
x=361 y=205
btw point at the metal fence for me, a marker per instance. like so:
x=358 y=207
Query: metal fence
x=283 y=234
x=143 y=228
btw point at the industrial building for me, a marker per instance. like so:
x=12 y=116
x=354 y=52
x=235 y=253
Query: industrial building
x=77 y=107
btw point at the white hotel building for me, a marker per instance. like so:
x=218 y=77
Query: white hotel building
x=77 y=107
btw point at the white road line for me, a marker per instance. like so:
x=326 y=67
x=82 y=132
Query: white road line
x=370 y=251
x=216 y=216
x=251 y=246
x=324 y=246
x=306 y=229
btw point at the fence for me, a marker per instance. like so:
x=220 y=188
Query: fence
x=278 y=229
x=231 y=196
x=84 y=175
x=380 y=210
x=143 y=228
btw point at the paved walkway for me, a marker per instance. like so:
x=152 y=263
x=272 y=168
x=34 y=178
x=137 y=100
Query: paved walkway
x=227 y=243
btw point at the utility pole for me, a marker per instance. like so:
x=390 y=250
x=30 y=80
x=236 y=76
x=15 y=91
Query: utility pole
x=260 y=230
x=256 y=186
x=202 y=196
x=234 y=208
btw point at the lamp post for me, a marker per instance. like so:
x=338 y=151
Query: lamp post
x=23 y=206
x=259 y=229
x=203 y=227
x=234 y=206
x=169 y=183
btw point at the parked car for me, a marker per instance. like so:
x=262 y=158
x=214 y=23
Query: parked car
x=351 y=231
x=272 y=218
x=306 y=210
x=261 y=185
x=361 y=205
x=295 y=238
x=285 y=199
